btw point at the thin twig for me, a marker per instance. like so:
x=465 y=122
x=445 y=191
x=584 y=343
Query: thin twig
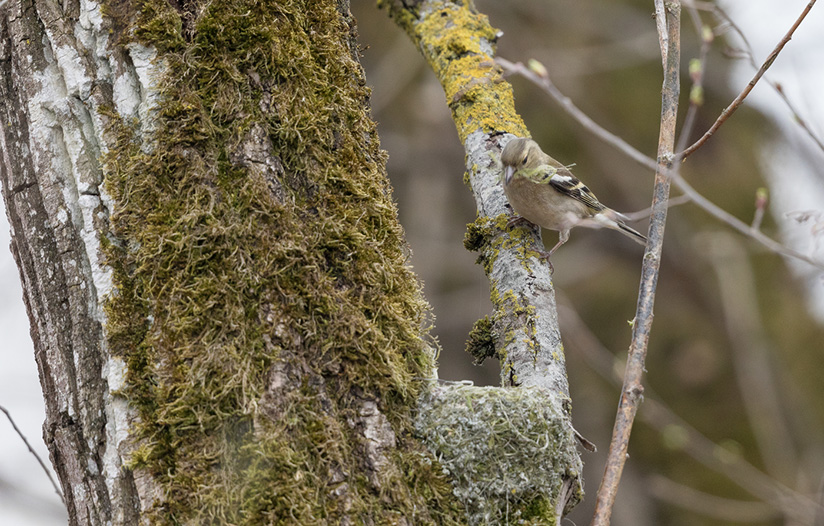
x=739 y=225
x=748 y=52
x=632 y=390
x=696 y=70
x=708 y=505
x=663 y=35
x=791 y=502
x=33 y=452
x=543 y=81
x=621 y=145
x=646 y=212
x=734 y=105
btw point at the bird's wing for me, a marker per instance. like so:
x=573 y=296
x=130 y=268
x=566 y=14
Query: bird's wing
x=567 y=184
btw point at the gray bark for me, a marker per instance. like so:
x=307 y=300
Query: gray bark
x=57 y=71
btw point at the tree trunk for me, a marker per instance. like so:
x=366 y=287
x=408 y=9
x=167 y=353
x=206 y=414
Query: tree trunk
x=224 y=322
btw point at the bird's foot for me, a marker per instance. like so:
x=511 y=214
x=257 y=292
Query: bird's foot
x=545 y=256
x=516 y=221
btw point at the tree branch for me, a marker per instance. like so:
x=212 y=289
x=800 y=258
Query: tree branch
x=524 y=323
x=696 y=69
x=31 y=449
x=458 y=43
x=734 y=105
x=662 y=418
x=632 y=390
x=722 y=15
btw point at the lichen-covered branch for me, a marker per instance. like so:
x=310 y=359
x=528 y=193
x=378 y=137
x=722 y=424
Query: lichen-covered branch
x=458 y=43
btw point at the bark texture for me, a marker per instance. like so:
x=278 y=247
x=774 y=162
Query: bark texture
x=54 y=85
x=224 y=321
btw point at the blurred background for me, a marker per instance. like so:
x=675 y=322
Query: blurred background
x=732 y=429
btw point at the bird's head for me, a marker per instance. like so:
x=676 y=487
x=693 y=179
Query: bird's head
x=520 y=154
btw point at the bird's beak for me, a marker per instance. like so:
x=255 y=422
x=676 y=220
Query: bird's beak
x=508 y=174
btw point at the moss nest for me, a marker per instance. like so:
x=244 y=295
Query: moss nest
x=254 y=241
x=506 y=450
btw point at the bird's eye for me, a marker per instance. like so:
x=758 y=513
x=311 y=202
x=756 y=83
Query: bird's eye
x=525 y=158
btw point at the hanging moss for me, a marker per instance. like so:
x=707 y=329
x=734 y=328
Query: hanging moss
x=253 y=228
x=481 y=343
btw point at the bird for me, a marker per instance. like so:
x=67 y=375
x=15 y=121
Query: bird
x=544 y=192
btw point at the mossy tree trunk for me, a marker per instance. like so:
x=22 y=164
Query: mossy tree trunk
x=224 y=322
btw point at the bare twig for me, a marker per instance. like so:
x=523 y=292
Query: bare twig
x=696 y=76
x=739 y=225
x=663 y=35
x=791 y=502
x=632 y=390
x=646 y=212
x=541 y=79
x=734 y=105
x=33 y=452
x=621 y=145
x=748 y=52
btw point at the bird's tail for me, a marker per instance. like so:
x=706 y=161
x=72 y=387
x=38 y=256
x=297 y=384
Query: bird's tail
x=615 y=220
x=629 y=232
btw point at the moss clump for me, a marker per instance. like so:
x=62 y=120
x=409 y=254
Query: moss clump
x=478 y=234
x=481 y=343
x=231 y=278
x=506 y=449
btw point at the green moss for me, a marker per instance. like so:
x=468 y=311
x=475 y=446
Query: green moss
x=219 y=277
x=481 y=343
x=539 y=510
x=478 y=234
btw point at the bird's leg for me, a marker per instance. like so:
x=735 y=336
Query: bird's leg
x=563 y=237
